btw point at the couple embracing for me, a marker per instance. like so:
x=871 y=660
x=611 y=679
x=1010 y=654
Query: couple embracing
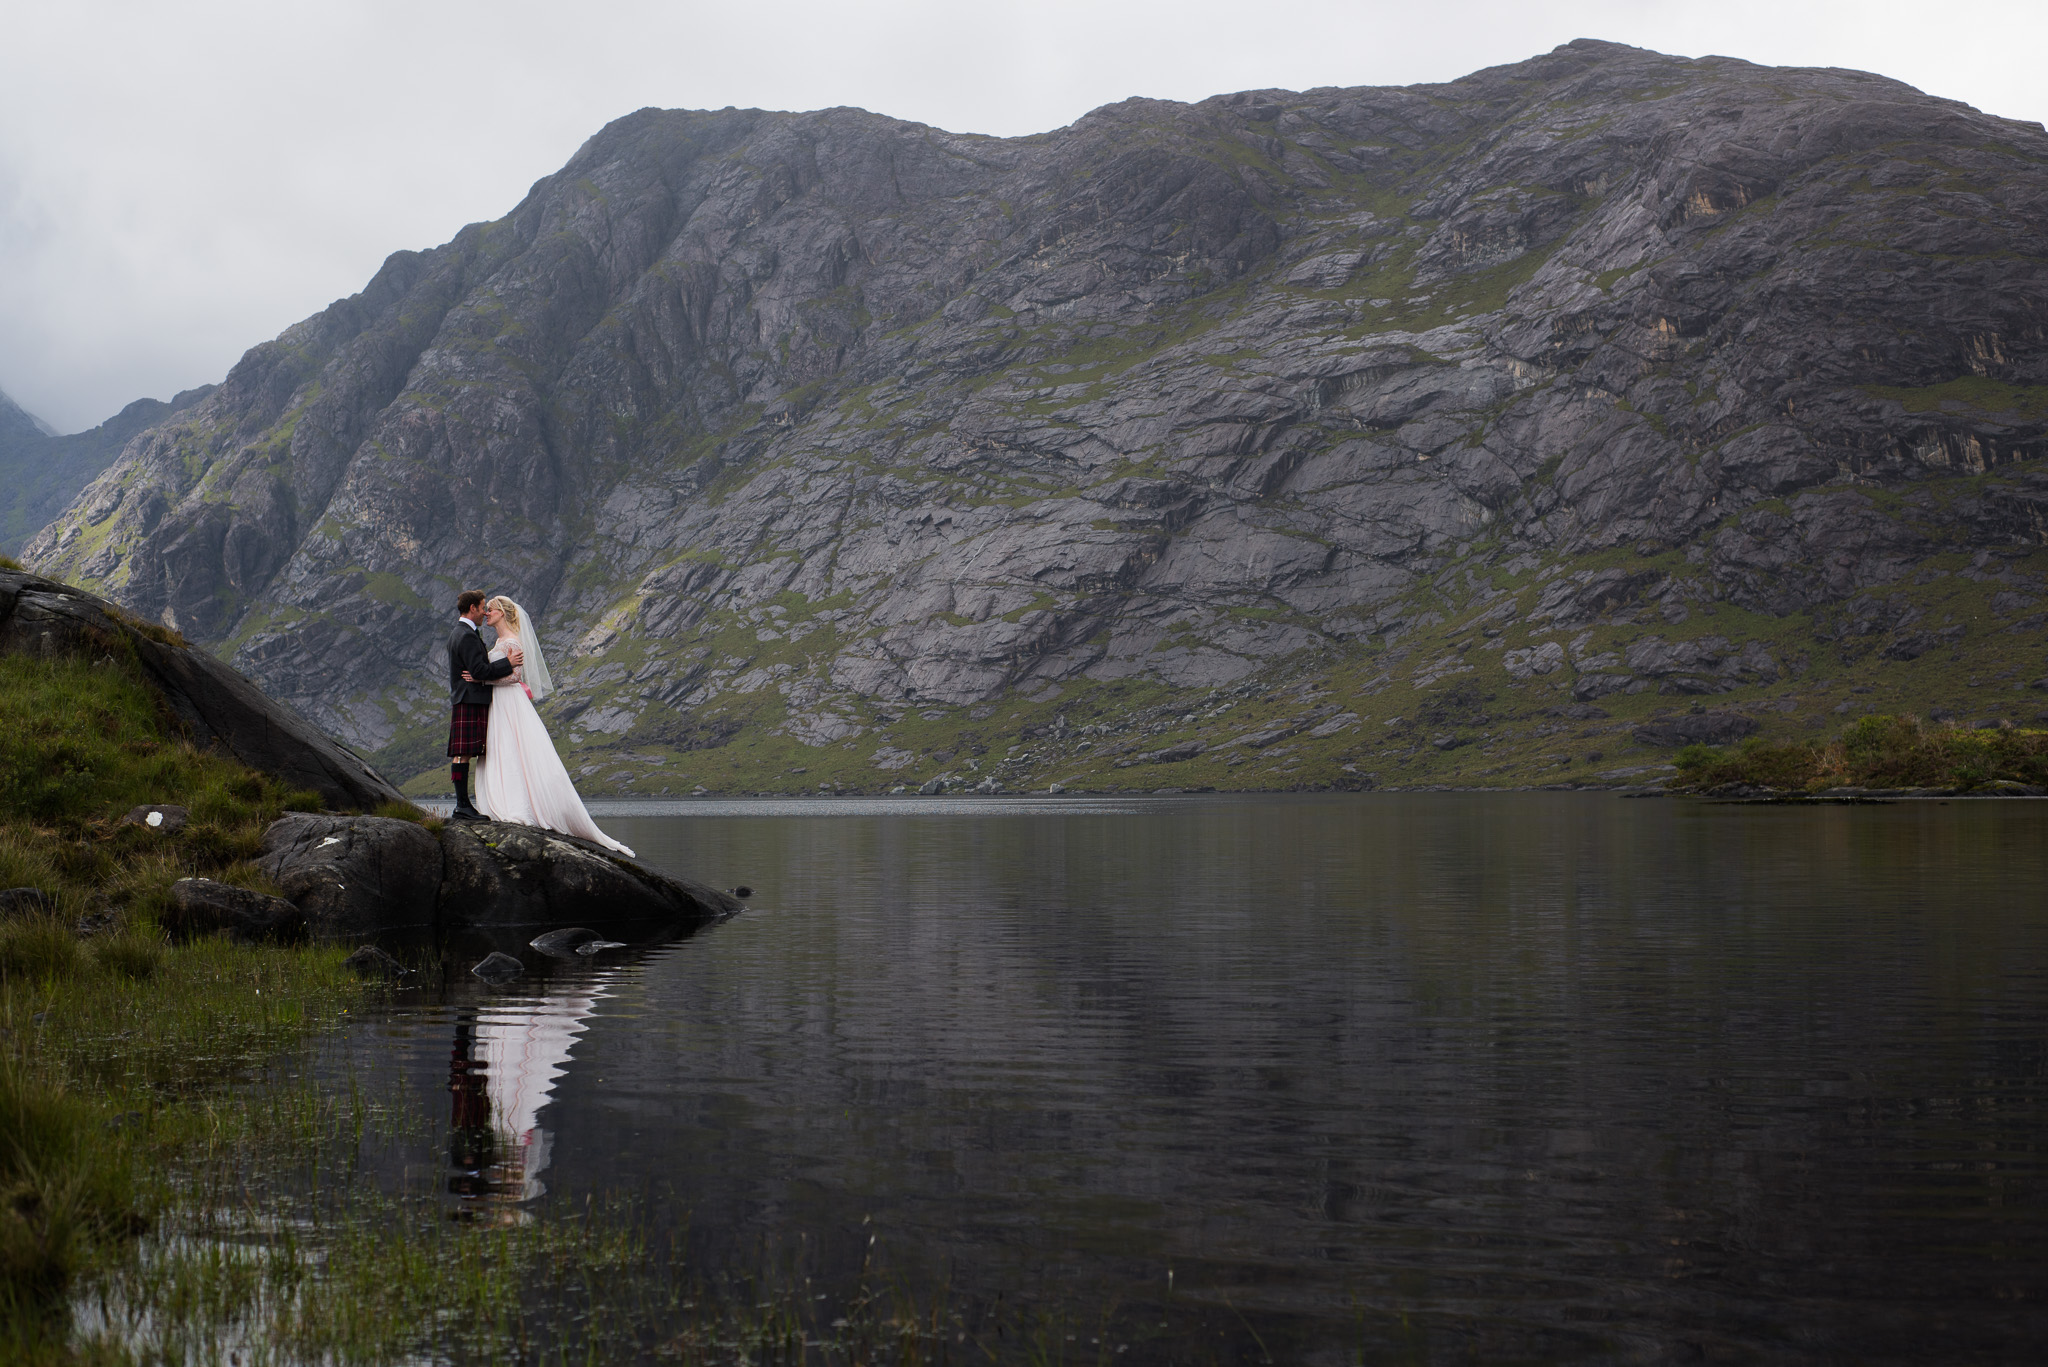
x=495 y=730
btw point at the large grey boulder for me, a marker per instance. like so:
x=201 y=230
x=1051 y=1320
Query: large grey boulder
x=354 y=875
x=215 y=705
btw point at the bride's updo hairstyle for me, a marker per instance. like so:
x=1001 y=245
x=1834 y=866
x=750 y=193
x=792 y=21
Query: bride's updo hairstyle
x=509 y=608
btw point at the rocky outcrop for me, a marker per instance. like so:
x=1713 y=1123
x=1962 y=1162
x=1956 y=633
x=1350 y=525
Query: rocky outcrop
x=801 y=423
x=496 y=874
x=214 y=705
x=357 y=875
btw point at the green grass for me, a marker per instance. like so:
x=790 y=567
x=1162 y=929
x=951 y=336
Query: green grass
x=1972 y=393
x=1880 y=751
x=80 y=744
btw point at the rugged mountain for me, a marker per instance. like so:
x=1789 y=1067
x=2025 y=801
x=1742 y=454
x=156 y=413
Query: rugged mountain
x=41 y=471
x=1337 y=436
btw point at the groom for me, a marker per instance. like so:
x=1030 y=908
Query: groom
x=470 y=670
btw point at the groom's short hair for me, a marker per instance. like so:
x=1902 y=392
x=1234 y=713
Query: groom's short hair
x=466 y=600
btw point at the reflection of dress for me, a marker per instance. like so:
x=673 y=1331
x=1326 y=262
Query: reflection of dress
x=524 y=1050
x=521 y=778
x=507 y=1059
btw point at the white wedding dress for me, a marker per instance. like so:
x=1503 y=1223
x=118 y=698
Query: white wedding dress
x=520 y=777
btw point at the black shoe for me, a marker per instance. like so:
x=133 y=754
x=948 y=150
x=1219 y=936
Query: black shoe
x=464 y=812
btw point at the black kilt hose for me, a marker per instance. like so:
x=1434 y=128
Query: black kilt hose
x=467 y=726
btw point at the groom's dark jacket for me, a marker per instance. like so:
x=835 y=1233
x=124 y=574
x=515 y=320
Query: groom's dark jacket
x=466 y=652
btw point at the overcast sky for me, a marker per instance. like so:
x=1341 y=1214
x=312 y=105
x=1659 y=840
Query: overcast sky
x=181 y=179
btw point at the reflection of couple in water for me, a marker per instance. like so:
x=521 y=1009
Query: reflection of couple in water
x=501 y=1072
x=495 y=728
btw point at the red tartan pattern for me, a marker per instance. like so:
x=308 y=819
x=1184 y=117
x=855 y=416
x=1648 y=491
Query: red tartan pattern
x=467 y=727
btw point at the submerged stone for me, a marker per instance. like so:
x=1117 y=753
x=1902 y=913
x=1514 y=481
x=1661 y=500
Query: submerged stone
x=562 y=943
x=498 y=967
x=372 y=962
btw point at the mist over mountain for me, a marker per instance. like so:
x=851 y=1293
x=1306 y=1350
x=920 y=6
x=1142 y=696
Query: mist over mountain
x=1342 y=436
x=17 y=423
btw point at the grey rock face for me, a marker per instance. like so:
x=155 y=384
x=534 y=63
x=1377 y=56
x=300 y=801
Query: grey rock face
x=216 y=705
x=499 y=967
x=564 y=943
x=795 y=416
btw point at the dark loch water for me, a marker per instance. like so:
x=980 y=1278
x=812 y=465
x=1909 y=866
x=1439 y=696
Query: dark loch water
x=1380 y=1078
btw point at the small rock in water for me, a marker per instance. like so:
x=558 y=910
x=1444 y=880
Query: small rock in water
x=372 y=962
x=562 y=943
x=499 y=967
x=743 y=891
x=599 y=946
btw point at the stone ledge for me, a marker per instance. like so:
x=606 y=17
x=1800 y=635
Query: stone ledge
x=355 y=875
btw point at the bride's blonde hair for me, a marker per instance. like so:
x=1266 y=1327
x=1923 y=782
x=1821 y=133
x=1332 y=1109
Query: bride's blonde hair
x=509 y=608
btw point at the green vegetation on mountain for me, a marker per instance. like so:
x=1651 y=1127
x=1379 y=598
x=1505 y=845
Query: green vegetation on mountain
x=1879 y=753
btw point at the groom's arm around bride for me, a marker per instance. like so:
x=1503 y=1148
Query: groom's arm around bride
x=471 y=667
x=470 y=671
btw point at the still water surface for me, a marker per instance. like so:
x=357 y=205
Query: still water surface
x=1414 y=1077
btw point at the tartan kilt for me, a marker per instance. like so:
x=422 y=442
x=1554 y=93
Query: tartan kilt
x=467 y=726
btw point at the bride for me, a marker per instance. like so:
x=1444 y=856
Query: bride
x=520 y=778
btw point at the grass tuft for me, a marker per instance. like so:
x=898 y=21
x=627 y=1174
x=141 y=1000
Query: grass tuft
x=38 y=949
x=406 y=811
